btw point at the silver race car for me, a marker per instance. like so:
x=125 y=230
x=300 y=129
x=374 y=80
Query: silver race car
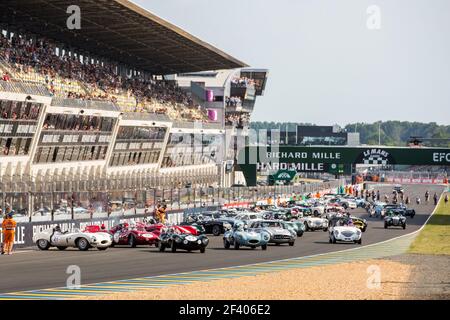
x=279 y=233
x=76 y=239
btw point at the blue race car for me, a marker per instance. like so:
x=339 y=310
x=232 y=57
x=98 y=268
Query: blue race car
x=240 y=237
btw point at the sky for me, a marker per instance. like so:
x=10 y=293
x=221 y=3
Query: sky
x=326 y=65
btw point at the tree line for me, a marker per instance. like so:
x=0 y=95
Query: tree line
x=392 y=133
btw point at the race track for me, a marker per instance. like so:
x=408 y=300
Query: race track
x=33 y=269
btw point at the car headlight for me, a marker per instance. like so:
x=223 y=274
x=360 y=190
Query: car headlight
x=358 y=232
x=205 y=240
x=94 y=239
x=178 y=239
x=336 y=232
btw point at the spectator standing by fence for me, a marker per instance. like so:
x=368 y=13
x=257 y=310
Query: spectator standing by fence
x=446 y=199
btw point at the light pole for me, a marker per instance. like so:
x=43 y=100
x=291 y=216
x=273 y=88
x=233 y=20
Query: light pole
x=379 y=133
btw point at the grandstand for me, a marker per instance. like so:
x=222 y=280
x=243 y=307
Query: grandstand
x=128 y=102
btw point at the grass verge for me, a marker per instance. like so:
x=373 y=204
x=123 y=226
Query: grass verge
x=435 y=236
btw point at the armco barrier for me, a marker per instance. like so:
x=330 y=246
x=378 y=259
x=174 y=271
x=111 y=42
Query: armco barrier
x=25 y=231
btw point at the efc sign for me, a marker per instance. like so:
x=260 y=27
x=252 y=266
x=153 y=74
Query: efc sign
x=441 y=157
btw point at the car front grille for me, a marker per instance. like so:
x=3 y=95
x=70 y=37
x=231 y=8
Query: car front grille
x=281 y=237
x=254 y=241
x=347 y=234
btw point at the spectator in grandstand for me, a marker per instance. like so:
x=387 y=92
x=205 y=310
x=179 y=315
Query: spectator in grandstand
x=6 y=76
x=36 y=61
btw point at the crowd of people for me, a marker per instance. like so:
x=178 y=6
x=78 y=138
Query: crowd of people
x=237 y=119
x=71 y=76
x=242 y=82
x=233 y=101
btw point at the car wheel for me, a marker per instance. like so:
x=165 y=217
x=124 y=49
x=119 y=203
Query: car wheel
x=291 y=244
x=62 y=248
x=102 y=249
x=216 y=230
x=43 y=244
x=334 y=239
x=330 y=241
x=83 y=244
x=236 y=245
x=413 y=214
x=162 y=247
x=306 y=226
x=277 y=244
x=132 y=241
x=202 y=250
x=226 y=244
x=264 y=247
x=364 y=229
x=174 y=247
x=359 y=241
x=325 y=229
x=300 y=234
x=253 y=247
x=404 y=226
x=385 y=225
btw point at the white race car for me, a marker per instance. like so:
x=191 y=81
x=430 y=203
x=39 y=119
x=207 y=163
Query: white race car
x=342 y=229
x=315 y=223
x=76 y=239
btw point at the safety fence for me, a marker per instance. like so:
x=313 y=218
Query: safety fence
x=78 y=210
x=60 y=206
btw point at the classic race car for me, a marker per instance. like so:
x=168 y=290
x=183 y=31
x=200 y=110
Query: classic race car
x=175 y=239
x=315 y=223
x=343 y=229
x=239 y=237
x=394 y=219
x=360 y=223
x=133 y=234
x=400 y=208
x=278 y=232
x=297 y=226
x=62 y=240
x=191 y=229
x=212 y=222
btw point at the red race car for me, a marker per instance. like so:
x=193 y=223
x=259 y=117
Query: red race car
x=156 y=229
x=133 y=235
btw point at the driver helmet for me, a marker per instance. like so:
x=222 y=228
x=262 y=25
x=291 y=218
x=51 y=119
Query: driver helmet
x=58 y=228
x=239 y=226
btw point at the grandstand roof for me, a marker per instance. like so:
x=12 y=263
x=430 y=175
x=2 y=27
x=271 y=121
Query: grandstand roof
x=121 y=31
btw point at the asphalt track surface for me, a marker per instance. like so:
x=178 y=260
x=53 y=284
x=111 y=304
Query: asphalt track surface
x=33 y=269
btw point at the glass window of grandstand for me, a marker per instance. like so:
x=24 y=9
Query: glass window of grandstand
x=140 y=133
x=15 y=110
x=14 y=146
x=78 y=123
x=60 y=154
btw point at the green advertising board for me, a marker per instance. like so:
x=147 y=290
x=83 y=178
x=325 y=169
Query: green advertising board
x=332 y=159
x=282 y=175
